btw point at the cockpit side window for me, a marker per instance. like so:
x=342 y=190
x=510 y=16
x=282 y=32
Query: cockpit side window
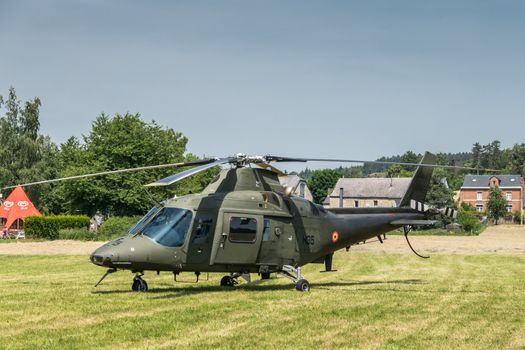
x=169 y=227
x=202 y=231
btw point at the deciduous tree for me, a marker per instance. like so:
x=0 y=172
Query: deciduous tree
x=122 y=141
x=496 y=204
x=320 y=181
x=25 y=154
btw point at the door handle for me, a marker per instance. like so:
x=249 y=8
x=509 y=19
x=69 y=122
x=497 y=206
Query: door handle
x=224 y=235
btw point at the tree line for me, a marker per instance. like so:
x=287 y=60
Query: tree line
x=490 y=156
x=126 y=141
x=114 y=142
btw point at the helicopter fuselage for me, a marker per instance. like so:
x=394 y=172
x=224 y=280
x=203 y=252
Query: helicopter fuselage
x=242 y=231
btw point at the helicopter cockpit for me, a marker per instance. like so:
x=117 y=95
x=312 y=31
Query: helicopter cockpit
x=164 y=226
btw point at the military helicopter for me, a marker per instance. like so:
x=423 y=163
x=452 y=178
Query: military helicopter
x=246 y=222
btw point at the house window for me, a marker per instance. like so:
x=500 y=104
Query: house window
x=479 y=208
x=509 y=196
x=479 y=196
x=509 y=208
x=356 y=204
x=376 y=203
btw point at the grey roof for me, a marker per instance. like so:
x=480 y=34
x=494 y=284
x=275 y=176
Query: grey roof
x=482 y=181
x=372 y=187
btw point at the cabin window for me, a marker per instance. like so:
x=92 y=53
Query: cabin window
x=301 y=190
x=266 y=230
x=242 y=230
x=202 y=232
x=270 y=197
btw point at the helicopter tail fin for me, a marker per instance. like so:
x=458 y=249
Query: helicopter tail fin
x=418 y=188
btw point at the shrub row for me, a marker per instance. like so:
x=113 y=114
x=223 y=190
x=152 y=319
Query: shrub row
x=47 y=227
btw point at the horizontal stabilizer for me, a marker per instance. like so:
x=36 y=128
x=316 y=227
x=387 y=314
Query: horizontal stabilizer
x=451 y=213
x=418 y=206
x=413 y=222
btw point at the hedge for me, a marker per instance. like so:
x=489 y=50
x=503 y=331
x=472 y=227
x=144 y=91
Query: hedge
x=48 y=226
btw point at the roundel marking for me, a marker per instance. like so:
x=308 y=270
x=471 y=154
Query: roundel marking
x=335 y=236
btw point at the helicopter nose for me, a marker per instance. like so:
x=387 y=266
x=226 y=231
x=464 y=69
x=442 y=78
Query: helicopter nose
x=101 y=259
x=98 y=259
x=103 y=256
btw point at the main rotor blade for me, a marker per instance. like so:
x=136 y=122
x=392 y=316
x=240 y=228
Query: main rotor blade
x=289 y=159
x=110 y=172
x=184 y=174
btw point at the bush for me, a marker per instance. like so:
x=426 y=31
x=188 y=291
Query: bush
x=79 y=234
x=517 y=218
x=48 y=227
x=117 y=226
x=469 y=221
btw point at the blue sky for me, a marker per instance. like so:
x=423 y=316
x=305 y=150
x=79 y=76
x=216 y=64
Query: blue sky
x=299 y=78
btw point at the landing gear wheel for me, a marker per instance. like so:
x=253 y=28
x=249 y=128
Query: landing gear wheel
x=302 y=286
x=139 y=285
x=227 y=281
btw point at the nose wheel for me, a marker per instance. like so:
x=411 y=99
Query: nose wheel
x=139 y=285
x=228 y=281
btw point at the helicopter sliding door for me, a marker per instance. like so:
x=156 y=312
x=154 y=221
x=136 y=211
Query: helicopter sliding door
x=240 y=239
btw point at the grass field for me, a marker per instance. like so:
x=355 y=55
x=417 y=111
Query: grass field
x=375 y=300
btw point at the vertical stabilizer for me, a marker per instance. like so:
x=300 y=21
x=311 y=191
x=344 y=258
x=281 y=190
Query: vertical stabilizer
x=418 y=188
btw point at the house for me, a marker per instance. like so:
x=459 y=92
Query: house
x=475 y=190
x=367 y=192
x=298 y=185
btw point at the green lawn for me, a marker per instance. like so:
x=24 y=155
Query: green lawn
x=375 y=300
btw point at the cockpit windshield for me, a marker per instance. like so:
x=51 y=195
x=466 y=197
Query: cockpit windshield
x=135 y=229
x=169 y=227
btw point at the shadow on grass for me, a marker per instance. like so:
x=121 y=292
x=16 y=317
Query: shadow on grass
x=174 y=292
